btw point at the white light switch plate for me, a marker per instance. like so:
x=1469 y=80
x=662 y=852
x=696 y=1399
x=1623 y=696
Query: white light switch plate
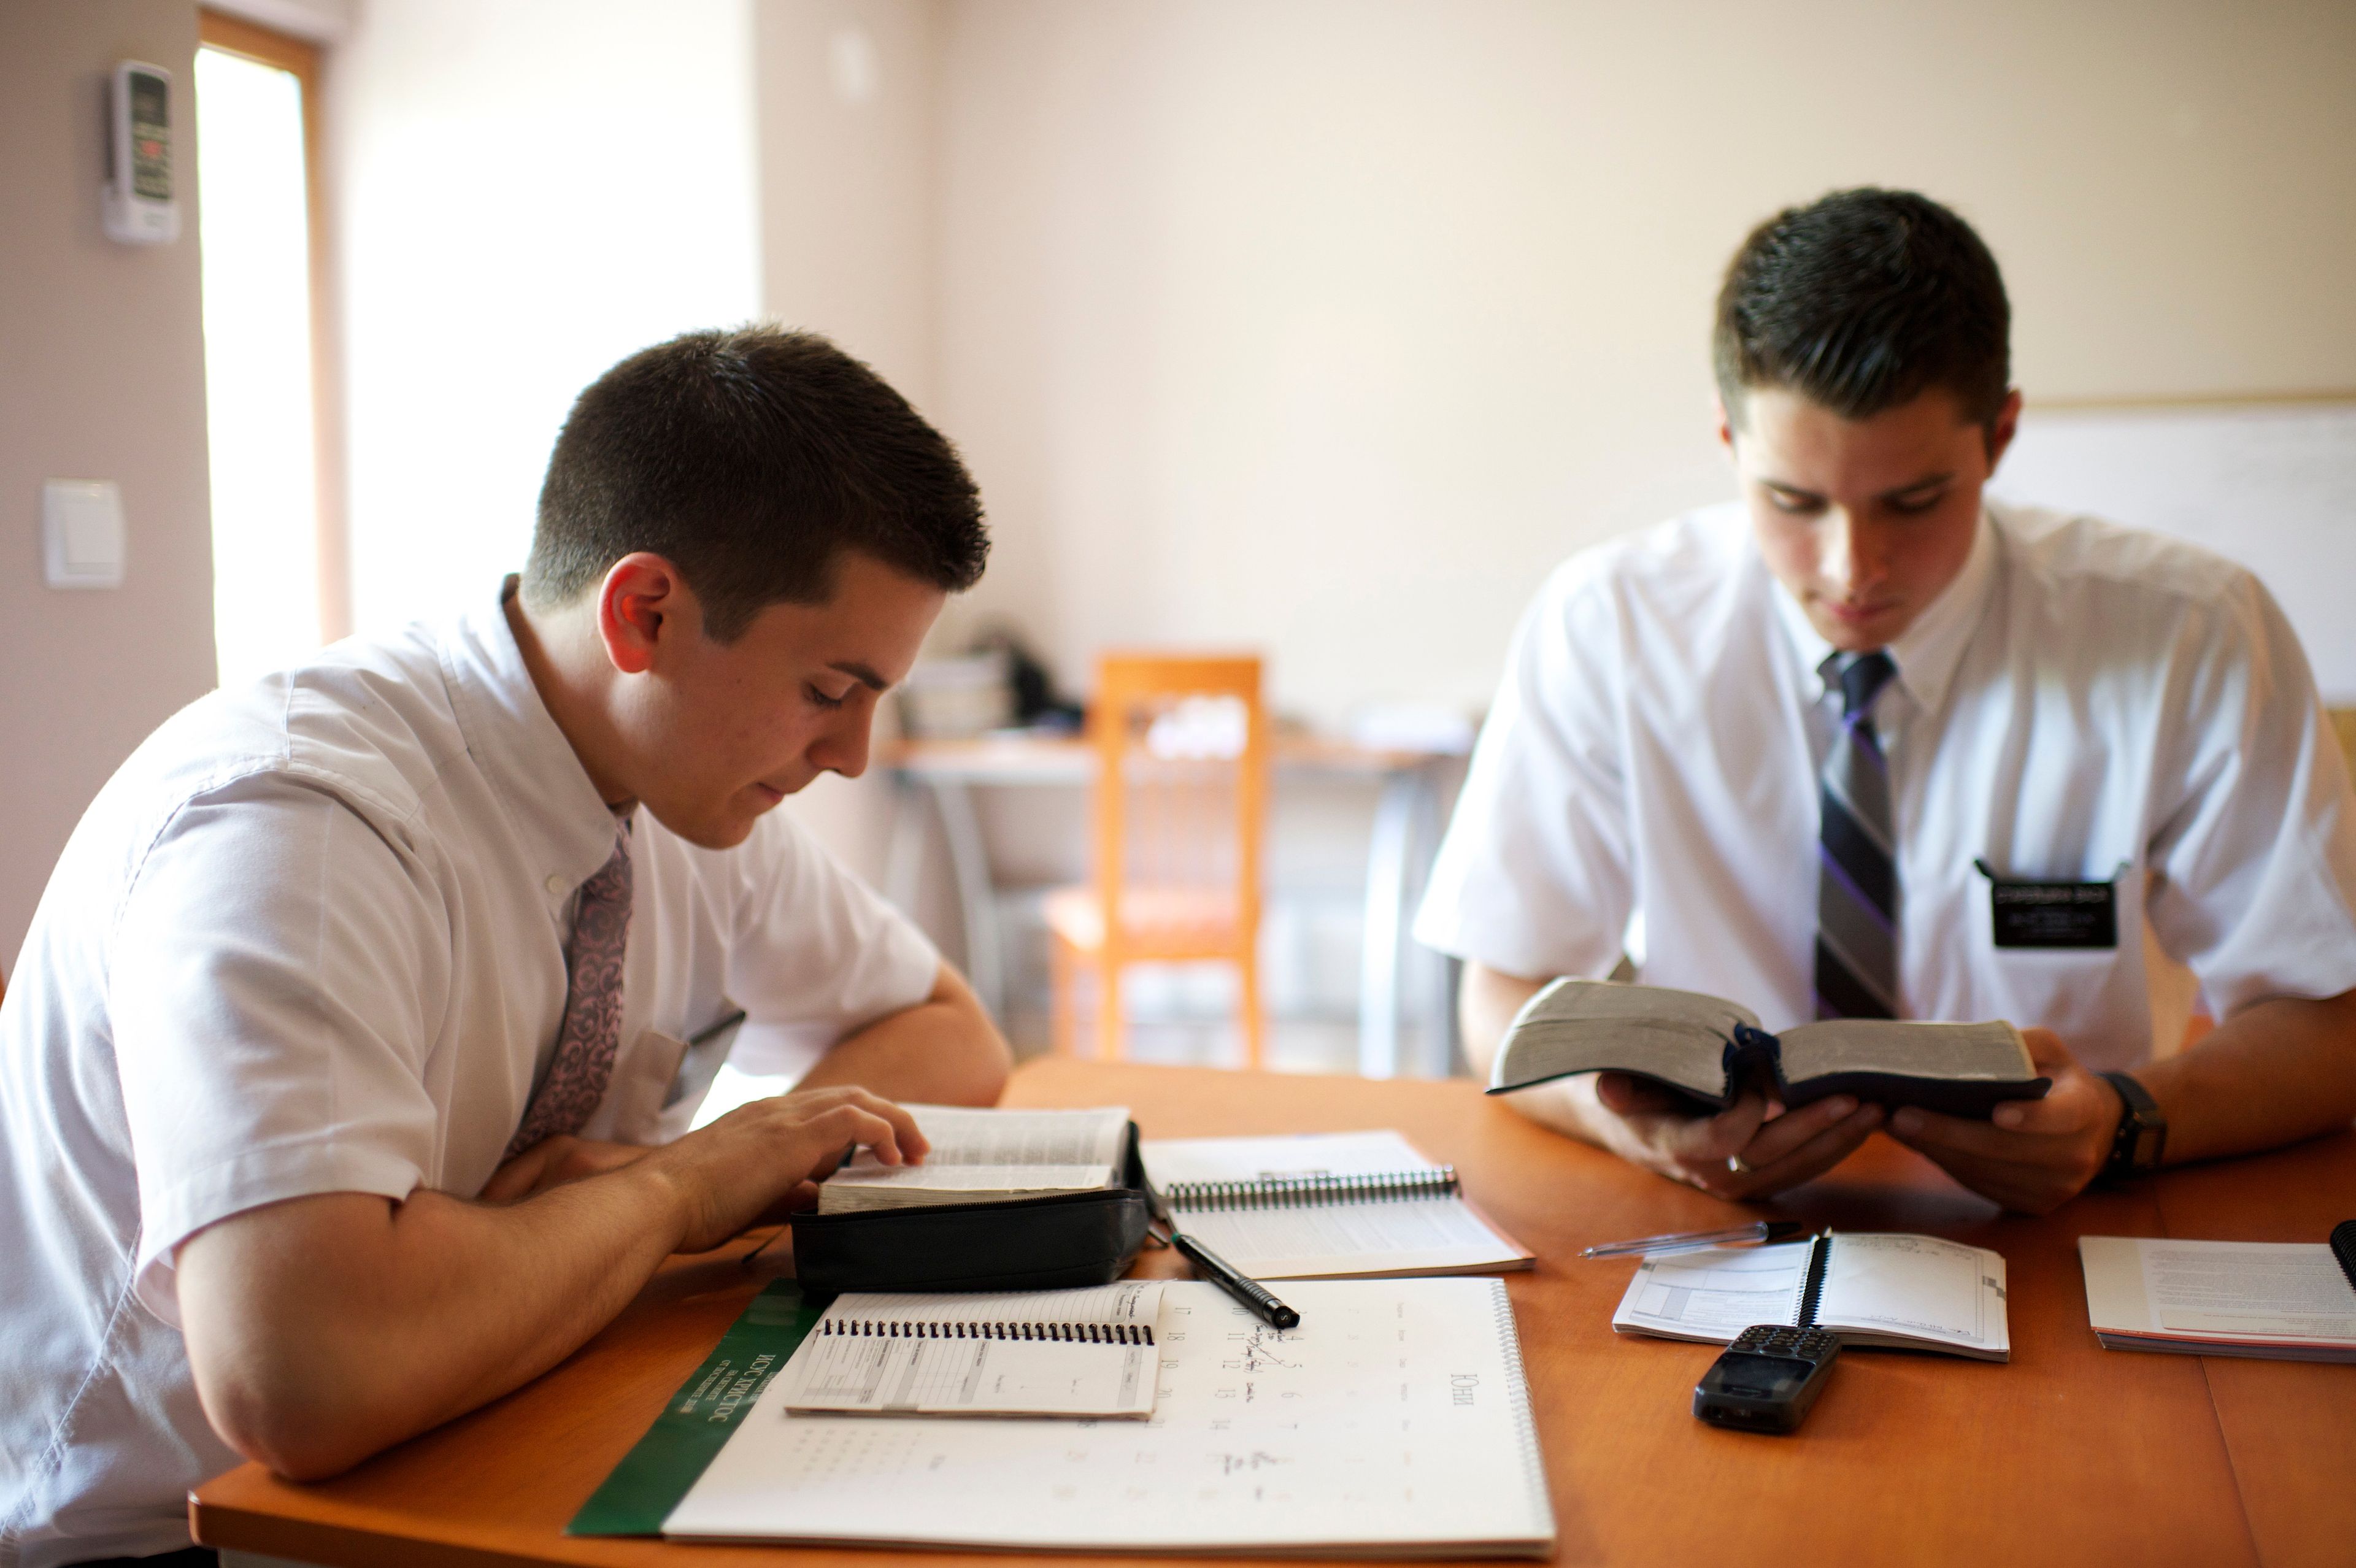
x=82 y=533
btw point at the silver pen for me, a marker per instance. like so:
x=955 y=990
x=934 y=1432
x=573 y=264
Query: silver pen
x=1694 y=1240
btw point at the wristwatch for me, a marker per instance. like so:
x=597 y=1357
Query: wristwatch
x=2143 y=1132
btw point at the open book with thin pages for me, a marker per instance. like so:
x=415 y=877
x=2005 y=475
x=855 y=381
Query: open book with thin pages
x=986 y=1157
x=1325 y=1205
x=1897 y=1292
x=1712 y=1050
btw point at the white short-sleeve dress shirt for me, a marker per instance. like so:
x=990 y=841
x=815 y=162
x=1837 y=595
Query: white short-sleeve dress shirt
x=2084 y=703
x=310 y=939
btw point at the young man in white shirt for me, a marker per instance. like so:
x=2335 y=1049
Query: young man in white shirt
x=1785 y=751
x=343 y=1076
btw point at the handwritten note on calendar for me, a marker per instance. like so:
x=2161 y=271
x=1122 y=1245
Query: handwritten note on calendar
x=1395 y=1419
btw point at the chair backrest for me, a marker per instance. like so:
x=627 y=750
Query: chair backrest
x=2343 y=720
x=1181 y=789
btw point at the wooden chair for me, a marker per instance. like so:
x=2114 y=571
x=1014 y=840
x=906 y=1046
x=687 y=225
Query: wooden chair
x=1179 y=805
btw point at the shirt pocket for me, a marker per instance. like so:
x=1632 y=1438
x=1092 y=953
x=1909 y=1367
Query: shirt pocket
x=2094 y=997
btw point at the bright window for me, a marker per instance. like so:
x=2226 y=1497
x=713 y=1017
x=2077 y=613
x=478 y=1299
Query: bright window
x=253 y=191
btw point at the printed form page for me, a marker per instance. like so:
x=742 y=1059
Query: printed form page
x=1055 y=1352
x=1715 y=1294
x=1908 y=1289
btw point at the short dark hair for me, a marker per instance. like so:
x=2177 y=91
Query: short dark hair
x=752 y=460
x=1861 y=301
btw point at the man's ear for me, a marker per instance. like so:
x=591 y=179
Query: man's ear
x=1725 y=423
x=642 y=601
x=2003 y=428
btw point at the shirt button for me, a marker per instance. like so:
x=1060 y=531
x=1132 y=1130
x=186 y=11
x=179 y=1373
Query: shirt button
x=555 y=886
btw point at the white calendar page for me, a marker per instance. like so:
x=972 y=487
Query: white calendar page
x=1395 y=1421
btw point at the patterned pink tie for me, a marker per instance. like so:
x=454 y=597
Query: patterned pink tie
x=592 y=1032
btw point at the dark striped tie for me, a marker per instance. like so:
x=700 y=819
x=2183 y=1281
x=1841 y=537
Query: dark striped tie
x=1857 y=878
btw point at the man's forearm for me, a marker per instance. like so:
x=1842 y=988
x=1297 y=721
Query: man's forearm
x=942 y=1052
x=1485 y=1006
x=412 y=1313
x=2273 y=1073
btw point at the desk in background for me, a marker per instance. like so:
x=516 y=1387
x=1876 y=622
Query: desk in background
x=1397 y=980
x=2070 y=1454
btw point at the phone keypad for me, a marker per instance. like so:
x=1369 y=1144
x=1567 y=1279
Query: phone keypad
x=1809 y=1344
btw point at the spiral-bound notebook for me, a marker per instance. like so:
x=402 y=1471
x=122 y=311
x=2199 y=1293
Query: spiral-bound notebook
x=1325 y=1205
x=1394 y=1422
x=1896 y=1291
x=1048 y=1352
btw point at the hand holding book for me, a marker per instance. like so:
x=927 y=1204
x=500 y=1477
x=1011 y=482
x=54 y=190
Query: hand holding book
x=2030 y=1155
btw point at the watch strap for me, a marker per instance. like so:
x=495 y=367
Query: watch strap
x=2142 y=1135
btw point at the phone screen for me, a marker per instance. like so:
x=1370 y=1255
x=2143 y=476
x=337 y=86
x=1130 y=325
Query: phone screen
x=151 y=138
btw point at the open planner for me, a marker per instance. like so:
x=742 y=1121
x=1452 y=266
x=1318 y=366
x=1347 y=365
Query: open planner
x=2280 y=1300
x=1325 y=1205
x=1049 y=1352
x=987 y=1155
x=1902 y=1292
x=1394 y=1422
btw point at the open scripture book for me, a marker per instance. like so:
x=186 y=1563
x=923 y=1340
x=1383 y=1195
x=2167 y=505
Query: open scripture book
x=1712 y=1050
x=1049 y=1352
x=1324 y=1205
x=1897 y=1292
x=988 y=1156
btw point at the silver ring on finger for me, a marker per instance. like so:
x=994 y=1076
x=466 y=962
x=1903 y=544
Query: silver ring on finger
x=1737 y=1163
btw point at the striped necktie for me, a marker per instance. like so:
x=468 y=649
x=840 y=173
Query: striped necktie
x=591 y=1035
x=1857 y=877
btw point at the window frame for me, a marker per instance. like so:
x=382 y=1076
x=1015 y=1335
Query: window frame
x=301 y=58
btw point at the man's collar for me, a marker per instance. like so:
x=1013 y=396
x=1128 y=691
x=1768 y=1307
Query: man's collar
x=1927 y=652
x=565 y=826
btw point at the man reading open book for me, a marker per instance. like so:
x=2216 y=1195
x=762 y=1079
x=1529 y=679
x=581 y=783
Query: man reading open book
x=1865 y=744
x=347 y=1067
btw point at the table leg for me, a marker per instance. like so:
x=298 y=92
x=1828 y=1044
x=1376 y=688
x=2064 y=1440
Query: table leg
x=977 y=895
x=904 y=848
x=1435 y=973
x=1378 y=973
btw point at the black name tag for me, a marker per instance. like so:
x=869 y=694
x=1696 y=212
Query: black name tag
x=2053 y=914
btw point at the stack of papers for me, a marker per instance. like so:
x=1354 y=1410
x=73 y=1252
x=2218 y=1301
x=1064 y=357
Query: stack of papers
x=2275 y=1300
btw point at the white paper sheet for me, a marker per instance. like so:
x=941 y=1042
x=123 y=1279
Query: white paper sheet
x=1393 y=1422
x=1716 y=1293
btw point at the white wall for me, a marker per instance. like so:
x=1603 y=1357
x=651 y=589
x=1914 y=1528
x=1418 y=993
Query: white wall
x=102 y=377
x=527 y=191
x=1330 y=325
x=849 y=126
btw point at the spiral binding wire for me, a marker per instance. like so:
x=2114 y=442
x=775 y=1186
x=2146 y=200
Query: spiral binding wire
x=1061 y=1333
x=1297 y=1191
x=1526 y=1425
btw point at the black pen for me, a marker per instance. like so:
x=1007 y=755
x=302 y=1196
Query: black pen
x=1221 y=1272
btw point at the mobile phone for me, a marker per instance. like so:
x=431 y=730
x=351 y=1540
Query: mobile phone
x=1767 y=1379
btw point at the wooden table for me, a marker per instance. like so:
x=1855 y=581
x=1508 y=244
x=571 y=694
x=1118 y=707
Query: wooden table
x=2069 y=1455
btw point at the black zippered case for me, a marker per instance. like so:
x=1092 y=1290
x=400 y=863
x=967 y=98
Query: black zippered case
x=1033 y=1243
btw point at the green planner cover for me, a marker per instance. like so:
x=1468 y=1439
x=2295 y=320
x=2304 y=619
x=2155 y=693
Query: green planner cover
x=697 y=1420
